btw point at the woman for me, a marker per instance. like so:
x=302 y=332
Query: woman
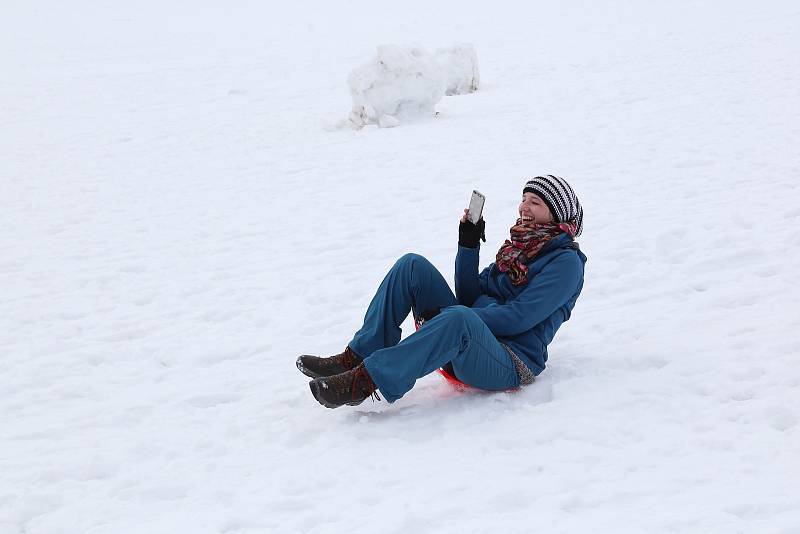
x=492 y=334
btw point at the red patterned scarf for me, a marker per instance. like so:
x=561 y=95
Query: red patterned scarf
x=525 y=243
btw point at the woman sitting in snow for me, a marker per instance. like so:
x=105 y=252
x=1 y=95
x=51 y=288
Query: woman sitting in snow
x=492 y=334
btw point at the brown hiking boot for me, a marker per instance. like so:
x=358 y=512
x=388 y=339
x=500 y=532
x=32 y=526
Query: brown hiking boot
x=351 y=387
x=317 y=367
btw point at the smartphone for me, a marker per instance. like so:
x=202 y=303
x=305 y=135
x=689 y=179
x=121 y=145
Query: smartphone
x=476 y=206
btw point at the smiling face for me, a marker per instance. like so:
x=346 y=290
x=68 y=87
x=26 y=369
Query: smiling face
x=532 y=209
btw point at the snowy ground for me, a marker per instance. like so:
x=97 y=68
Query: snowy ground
x=176 y=226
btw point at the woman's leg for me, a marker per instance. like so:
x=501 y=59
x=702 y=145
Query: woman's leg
x=456 y=335
x=412 y=283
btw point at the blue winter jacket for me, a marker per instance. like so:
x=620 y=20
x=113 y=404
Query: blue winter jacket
x=524 y=317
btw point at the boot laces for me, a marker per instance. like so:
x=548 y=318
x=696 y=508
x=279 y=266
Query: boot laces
x=362 y=380
x=348 y=358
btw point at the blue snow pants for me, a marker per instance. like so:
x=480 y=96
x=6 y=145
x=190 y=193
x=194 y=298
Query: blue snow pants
x=457 y=335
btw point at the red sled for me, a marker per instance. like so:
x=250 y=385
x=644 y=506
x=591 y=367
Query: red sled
x=453 y=381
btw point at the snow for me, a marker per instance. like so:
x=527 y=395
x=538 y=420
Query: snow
x=406 y=82
x=400 y=83
x=460 y=66
x=176 y=227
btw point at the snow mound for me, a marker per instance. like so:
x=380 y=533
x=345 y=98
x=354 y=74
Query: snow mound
x=402 y=83
x=460 y=67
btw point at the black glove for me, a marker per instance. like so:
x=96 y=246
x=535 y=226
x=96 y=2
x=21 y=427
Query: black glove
x=469 y=233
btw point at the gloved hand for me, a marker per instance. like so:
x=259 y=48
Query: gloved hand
x=469 y=233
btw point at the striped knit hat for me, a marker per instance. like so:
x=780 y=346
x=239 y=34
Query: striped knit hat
x=559 y=197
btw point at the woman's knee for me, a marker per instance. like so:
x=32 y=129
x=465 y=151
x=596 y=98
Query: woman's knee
x=411 y=257
x=460 y=314
x=413 y=260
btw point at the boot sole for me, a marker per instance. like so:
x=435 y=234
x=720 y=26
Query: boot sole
x=305 y=371
x=309 y=373
x=315 y=387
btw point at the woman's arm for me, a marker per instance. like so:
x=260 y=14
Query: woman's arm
x=466 y=273
x=467 y=287
x=550 y=289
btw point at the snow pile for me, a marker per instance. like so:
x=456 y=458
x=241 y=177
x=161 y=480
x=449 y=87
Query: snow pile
x=406 y=82
x=460 y=67
x=400 y=83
